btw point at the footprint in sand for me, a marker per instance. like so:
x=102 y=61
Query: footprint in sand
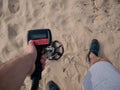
x=1 y=5
x=6 y=50
x=12 y=31
x=13 y=5
x=118 y=1
x=12 y=35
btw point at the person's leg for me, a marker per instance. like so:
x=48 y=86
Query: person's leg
x=102 y=75
x=94 y=59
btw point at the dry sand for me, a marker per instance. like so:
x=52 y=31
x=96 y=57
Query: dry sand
x=73 y=22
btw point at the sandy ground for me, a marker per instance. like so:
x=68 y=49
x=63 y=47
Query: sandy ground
x=73 y=22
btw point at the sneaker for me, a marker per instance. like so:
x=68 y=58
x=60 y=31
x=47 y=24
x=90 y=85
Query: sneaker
x=94 y=48
x=53 y=86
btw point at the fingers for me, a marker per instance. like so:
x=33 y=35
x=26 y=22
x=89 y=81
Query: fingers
x=43 y=61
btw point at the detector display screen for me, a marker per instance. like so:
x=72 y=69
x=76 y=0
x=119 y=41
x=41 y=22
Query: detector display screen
x=36 y=36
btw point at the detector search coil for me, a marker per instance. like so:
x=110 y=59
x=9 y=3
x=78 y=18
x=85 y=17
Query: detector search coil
x=54 y=51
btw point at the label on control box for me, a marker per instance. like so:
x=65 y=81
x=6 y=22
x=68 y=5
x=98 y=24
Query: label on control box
x=44 y=41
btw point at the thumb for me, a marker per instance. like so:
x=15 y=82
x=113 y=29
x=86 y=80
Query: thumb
x=31 y=42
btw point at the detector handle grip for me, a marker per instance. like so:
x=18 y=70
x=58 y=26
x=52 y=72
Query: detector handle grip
x=38 y=67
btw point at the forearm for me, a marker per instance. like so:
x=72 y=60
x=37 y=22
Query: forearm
x=13 y=73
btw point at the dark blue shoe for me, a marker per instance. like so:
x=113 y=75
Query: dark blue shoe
x=94 y=48
x=53 y=86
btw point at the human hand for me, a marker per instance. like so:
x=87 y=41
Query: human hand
x=31 y=50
